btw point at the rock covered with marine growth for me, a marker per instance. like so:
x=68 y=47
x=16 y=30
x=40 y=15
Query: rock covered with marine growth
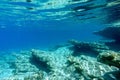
x=110 y=57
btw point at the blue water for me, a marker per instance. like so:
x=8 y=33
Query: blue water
x=20 y=29
x=43 y=25
x=45 y=34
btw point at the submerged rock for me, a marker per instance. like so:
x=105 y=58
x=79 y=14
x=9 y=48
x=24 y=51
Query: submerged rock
x=110 y=57
x=110 y=33
x=40 y=59
x=60 y=64
x=93 y=48
x=90 y=69
x=36 y=76
x=22 y=63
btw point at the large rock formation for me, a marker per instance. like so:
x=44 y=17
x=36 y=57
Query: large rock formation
x=93 y=48
x=112 y=33
x=89 y=69
x=110 y=57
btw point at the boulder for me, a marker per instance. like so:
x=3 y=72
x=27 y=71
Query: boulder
x=40 y=59
x=90 y=69
x=110 y=58
x=87 y=47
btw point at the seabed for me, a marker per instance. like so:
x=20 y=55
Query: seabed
x=73 y=61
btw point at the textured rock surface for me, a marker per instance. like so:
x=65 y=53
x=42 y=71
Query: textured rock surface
x=110 y=57
x=59 y=64
x=90 y=69
x=87 y=47
x=37 y=76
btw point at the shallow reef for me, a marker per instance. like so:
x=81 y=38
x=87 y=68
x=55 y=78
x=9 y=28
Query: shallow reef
x=62 y=64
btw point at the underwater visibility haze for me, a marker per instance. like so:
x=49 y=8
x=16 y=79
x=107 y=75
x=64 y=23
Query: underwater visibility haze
x=59 y=39
x=41 y=23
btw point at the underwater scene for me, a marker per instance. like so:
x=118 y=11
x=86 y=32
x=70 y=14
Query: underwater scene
x=59 y=39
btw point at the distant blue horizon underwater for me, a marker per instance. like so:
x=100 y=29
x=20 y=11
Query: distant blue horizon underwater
x=45 y=34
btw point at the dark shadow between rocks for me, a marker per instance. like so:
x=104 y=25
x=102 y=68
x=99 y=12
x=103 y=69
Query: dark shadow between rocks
x=40 y=64
x=77 y=51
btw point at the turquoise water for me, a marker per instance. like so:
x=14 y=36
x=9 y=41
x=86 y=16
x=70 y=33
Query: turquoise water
x=45 y=35
x=43 y=24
